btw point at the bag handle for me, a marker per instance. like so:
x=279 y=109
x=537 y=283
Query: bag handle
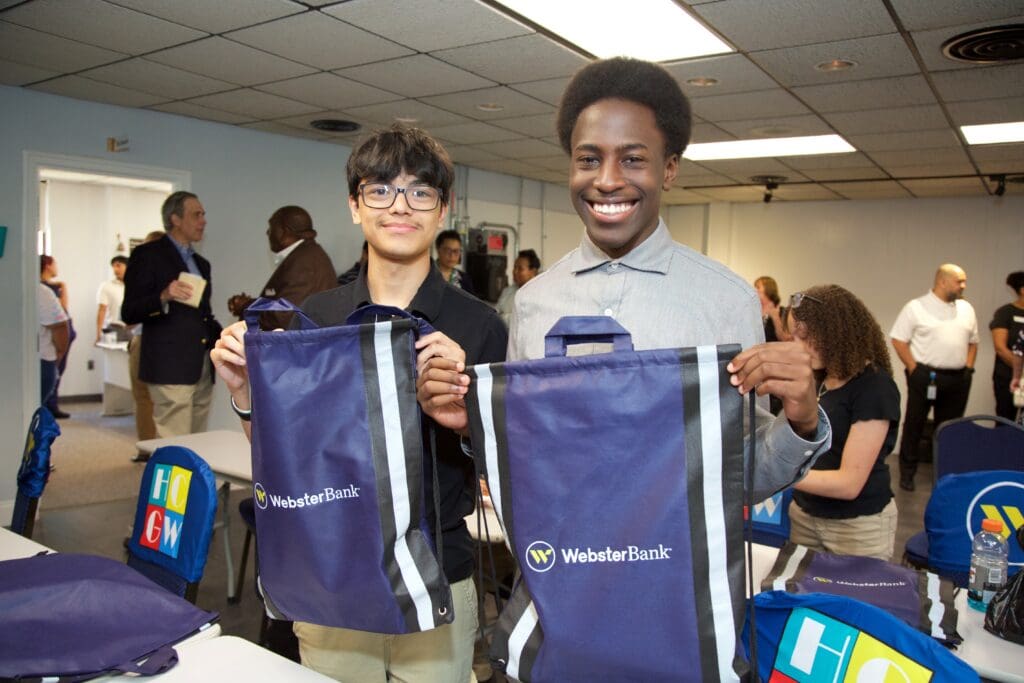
x=586 y=329
x=376 y=310
x=252 y=313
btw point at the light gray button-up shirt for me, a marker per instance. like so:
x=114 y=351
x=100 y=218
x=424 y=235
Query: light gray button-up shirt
x=667 y=296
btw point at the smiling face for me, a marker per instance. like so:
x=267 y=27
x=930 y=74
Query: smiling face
x=618 y=172
x=398 y=234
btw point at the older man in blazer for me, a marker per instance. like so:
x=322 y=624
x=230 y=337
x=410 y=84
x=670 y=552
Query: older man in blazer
x=303 y=267
x=178 y=326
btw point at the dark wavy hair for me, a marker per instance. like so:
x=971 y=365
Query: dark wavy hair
x=633 y=80
x=842 y=330
x=401 y=149
x=1016 y=281
x=532 y=260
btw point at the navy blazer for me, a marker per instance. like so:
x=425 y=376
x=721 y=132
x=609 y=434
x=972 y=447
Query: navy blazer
x=175 y=343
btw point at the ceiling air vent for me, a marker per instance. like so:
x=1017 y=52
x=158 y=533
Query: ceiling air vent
x=335 y=125
x=992 y=45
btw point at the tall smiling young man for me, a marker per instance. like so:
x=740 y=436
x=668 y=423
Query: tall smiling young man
x=624 y=124
x=399 y=183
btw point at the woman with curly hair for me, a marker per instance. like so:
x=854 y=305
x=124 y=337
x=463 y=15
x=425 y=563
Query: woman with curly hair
x=845 y=503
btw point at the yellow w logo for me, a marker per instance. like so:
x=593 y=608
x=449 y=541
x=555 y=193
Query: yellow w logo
x=261 y=496
x=541 y=556
x=1013 y=516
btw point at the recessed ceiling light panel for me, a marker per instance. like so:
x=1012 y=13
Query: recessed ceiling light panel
x=490 y=107
x=836 y=65
x=994 y=133
x=702 y=82
x=768 y=147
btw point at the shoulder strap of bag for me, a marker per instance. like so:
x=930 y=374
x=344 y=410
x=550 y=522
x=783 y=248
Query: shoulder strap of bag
x=252 y=313
x=585 y=329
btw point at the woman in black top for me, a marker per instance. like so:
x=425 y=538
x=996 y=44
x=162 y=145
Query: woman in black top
x=845 y=503
x=1007 y=328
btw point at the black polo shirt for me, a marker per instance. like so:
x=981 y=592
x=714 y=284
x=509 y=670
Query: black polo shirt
x=475 y=327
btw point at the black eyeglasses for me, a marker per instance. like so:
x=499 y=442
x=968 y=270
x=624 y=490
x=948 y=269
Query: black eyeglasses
x=383 y=196
x=796 y=299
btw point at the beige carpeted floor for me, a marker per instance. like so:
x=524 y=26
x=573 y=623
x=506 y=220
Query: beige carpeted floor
x=92 y=457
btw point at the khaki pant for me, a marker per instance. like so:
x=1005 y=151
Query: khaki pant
x=441 y=655
x=144 y=426
x=182 y=408
x=867 y=536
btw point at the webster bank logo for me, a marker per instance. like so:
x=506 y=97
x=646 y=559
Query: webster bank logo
x=165 y=510
x=998 y=501
x=328 y=494
x=541 y=556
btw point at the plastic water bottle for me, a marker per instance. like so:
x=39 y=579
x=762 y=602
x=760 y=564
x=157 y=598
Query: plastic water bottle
x=989 y=555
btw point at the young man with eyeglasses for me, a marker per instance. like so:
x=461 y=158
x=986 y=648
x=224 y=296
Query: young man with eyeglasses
x=399 y=183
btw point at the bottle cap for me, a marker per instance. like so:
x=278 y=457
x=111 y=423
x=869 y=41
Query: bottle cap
x=993 y=525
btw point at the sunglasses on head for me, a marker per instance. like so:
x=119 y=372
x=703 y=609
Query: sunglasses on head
x=796 y=299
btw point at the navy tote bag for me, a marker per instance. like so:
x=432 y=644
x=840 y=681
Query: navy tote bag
x=618 y=479
x=338 y=473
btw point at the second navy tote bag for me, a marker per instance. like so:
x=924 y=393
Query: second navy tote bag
x=618 y=479
x=338 y=474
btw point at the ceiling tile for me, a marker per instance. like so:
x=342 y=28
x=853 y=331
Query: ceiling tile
x=705 y=132
x=818 y=161
x=159 y=79
x=328 y=91
x=312 y=39
x=520 y=149
x=513 y=103
x=473 y=133
x=254 y=103
x=999 y=158
x=230 y=61
x=876 y=57
x=425 y=115
x=946 y=187
x=915 y=157
x=763 y=103
x=743 y=169
x=892 y=120
x=677 y=195
x=755 y=24
x=536 y=126
x=917 y=15
x=982 y=83
x=214 y=17
x=428 y=25
x=803 y=192
x=1000 y=110
x=734 y=72
x=820 y=174
x=282 y=129
x=701 y=180
x=743 y=193
x=22 y=74
x=198 y=112
x=100 y=23
x=536 y=57
x=929 y=43
x=900 y=91
x=776 y=127
x=930 y=170
x=920 y=139
x=508 y=166
x=558 y=163
x=415 y=76
x=87 y=89
x=549 y=90
x=873 y=189
x=303 y=121
x=467 y=154
x=42 y=50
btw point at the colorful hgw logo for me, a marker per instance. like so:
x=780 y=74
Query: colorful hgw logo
x=165 y=513
x=815 y=647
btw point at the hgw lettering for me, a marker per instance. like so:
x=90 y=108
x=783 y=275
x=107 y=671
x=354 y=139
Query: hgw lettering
x=309 y=499
x=630 y=553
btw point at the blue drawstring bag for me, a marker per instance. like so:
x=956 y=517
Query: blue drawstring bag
x=601 y=468
x=338 y=473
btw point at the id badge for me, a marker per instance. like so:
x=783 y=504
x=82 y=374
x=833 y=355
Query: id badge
x=932 y=392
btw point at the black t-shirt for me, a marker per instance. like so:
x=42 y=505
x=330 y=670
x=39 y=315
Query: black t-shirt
x=476 y=327
x=871 y=395
x=1011 y=319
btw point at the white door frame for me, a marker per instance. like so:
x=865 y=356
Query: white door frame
x=32 y=163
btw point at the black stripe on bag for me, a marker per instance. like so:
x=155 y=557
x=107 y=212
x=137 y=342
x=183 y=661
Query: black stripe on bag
x=706 y=641
x=425 y=558
x=515 y=610
x=949 y=613
x=730 y=407
x=385 y=501
x=498 y=388
x=779 y=566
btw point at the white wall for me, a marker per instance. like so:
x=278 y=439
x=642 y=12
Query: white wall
x=884 y=251
x=85 y=222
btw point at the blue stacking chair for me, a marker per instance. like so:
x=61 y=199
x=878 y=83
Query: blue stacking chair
x=34 y=471
x=770 y=519
x=967 y=445
x=174 y=520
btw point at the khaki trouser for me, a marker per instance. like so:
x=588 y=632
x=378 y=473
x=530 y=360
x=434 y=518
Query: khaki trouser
x=144 y=426
x=867 y=536
x=182 y=408
x=441 y=655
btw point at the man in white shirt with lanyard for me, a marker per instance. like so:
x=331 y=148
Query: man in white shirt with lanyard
x=936 y=338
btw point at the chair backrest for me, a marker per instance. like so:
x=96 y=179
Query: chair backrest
x=770 y=519
x=967 y=445
x=34 y=471
x=954 y=513
x=174 y=520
